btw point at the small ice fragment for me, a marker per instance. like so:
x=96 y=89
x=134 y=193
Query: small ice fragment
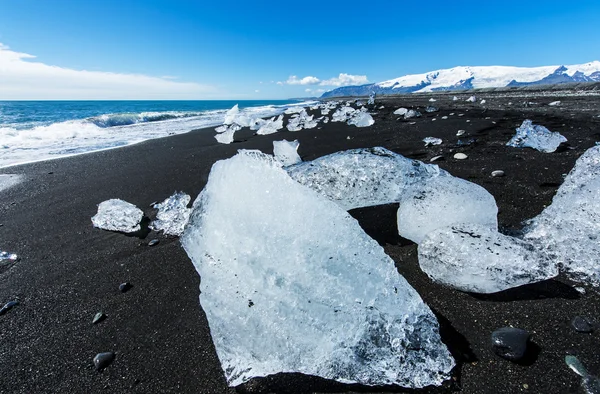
x=460 y=132
x=412 y=114
x=475 y=258
x=9 y=180
x=443 y=201
x=497 y=173
x=460 y=156
x=444 y=117
x=286 y=152
x=431 y=108
x=293 y=284
x=432 y=100
x=471 y=99
x=8 y=256
x=432 y=141
x=382 y=107
x=536 y=137
x=554 y=103
x=482 y=102
x=173 y=214
x=401 y=111
x=371 y=99
x=454 y=98
x=118 y=215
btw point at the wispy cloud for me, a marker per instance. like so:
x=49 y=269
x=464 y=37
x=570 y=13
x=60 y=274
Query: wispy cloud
x=345 y=79
x=309 y=80
x=23 y=79
x=314 y=90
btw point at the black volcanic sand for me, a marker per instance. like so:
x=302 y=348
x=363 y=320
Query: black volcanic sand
x=69 y=270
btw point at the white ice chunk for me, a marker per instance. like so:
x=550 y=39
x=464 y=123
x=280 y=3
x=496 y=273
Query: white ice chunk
x=482 y=102
x=294 y=110
x=362 y=177
x=271 y=126
x=478 y=259
x=554 y=103
x=454 y=98
x=432 y=100
x=412 y=114
x=291 y=283
x=9 y=180
x=226 y=136
x=301 y=121
x=286 y=152
x=443 y=201
x=536 y=137
x=343 y=114
x=371 y=99
x=231 y=115
x=173 y=214
x=401 y=111
x=471 y=99
x=118 y=215
x=432 y=141
x=362 y=119
x=569 y=228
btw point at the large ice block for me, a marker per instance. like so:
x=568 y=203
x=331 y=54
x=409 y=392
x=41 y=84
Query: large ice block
x=536 y=137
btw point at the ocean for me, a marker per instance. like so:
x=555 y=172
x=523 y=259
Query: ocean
x=41 y=130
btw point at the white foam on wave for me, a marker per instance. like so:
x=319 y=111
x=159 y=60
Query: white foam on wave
x=75 y=137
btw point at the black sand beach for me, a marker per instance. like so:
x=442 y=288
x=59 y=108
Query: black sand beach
x=69 y=270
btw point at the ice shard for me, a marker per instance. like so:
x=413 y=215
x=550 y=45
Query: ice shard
x=536 y=137
x=286 y=152
x=118 y=215
x=569 y=228
x=476 y=258
x=271 y=126
x=291 y=283
x=173 y=214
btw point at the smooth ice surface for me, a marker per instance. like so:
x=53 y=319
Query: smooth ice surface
x=286 y=152
x=118 y=215
x=291 y=283
x=361 y=119
x=9 y=180
x=271 y=126
x=173 y=214
x=354 y=117
x=401 y=111
x=536 y=137
x=569 y=228
x=475 y=258
x=443 y=201
x=412 y=114
x=362 y=177
x=432 y=141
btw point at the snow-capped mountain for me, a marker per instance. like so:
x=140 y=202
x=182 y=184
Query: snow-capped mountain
x=463 y=78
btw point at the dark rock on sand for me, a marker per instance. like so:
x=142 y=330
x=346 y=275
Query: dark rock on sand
x=103 y=360
x=124 y=287
x=581 y=324
x=510 y=343
x=8 y=306
x=153 y=242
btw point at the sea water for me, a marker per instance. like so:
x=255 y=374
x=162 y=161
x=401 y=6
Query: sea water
x=41 y=130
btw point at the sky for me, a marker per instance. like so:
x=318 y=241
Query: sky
x=193 y=49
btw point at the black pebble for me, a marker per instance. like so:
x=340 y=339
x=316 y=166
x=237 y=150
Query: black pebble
x=8 y=306
x=125 y=286
x=153 y=242
x=510 y=343
x=581 y=324
x=103 y=360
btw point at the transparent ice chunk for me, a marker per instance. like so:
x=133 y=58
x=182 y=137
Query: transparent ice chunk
x=226 y=136
x=173 y=214
x=6 y=256
x=478 y=259
x=401 y=111
x=362 y=119
x=118 y=215
x=471 y=99
x=286 y=152
x=301 y=121
x=432 y=141
x=371 y=99
x=569 y=228
x=412 y=114
x=271 y=126
x=536 y=137
x=291 y=283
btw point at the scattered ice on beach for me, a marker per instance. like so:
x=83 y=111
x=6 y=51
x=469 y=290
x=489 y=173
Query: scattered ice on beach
x=271 y=126
x=362 y=177
x=471 y=99
x=432 y=141
x=536 y=137
x=354 y=117
x=568 y=229
x=454 y=98
x=478 y=259
x=412 y=114
x=286 y=152
x=8 y=256
x=118 y=215
x=294 y=110
x=301 y=121
x=295 y=285
x=9 y=180
x=554 y=103
x=443 y=201
x=401 y=111
x=173 y=214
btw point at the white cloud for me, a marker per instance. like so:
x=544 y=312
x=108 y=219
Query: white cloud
x=345 y=79
x=309 y=80
x=257 y=91
x=279 y=83
x=22 y=79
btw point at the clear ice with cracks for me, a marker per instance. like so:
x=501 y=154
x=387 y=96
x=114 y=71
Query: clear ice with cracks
x=8 y=256
x=271 y=126
x=568 y=230
x=118 y=215
x=475 y=258
x=301 y=121
x=442 y=201
x=536 y=137
x=286 y=152
x=291 y=283
x=173 y=214
x=354 y=117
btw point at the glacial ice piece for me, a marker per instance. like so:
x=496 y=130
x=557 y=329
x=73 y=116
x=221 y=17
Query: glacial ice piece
x=358 y=118
x=568 y=229
x=234 y=116
x=371 y=99
x=443 y=201
x=361 y=119
x=173 y=214
x=301 y=121
x=118 y=215
x=401 y=111
x=432 y=100
x=8 y=256
x=454 y=98
x=412 y=114
x=362 y=177
x=536 y=137
x=431 y=108
x=589 y=383
x=226 y=134
x=286 y=152
x=432 y=141
x=231 y=115
x=291 y=283
x=271 y=126
x=482 y=102
x=554 y=103
x=294 y=110
x=471 y=99
x=478 y=259
x=342 y=114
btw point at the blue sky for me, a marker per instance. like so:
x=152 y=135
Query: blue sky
x=230 y=49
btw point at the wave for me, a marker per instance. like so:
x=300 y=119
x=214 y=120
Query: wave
x=128 y=118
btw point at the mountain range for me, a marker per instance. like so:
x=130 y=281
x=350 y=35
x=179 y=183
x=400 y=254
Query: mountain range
x=465 y=77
